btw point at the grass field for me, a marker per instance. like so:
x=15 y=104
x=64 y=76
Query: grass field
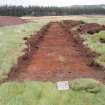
x=82 y=91
x=87 y=18
x=12 y=44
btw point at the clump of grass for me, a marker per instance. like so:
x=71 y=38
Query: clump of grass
x=93 y=42
x=39 y=93
x=89 y=85
x=82 y=22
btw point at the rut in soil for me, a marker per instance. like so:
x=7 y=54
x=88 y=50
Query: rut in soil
x=57 y=58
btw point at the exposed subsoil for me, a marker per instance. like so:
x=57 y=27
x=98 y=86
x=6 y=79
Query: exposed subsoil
x=55 y=55
x=91 y=28
x=10 y=20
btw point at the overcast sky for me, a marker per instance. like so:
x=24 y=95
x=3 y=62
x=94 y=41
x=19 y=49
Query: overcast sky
x=51 y=2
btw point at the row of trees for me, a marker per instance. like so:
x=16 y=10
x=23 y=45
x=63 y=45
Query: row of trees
x=50 y=11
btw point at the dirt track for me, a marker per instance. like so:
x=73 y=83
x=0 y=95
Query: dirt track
x=58 y=57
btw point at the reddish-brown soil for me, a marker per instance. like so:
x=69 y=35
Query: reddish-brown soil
x=91 y=28
x=58 y=57
x=10 y=20
x=70 y=23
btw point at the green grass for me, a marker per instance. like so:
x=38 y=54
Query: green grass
x=39 y=93
x=95 y=20
x=93 y=42
x=12 y=44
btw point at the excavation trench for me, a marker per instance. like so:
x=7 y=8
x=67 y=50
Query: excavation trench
x=56 y=57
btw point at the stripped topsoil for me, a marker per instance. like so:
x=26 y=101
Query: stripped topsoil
x=10 y=20
x=53 y=54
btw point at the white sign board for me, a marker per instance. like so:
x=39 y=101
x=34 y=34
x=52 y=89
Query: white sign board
x=63 y=85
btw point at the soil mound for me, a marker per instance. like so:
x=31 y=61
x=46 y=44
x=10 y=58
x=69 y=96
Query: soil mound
x=10 y=20
x=91 y=28
x=71 y=23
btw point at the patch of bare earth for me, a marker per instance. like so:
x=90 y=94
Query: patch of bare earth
x=56 y=57
x=91 y=28
x=10 y=20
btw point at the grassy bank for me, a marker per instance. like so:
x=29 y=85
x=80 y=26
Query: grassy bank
x=96 y=44
x=12 y=44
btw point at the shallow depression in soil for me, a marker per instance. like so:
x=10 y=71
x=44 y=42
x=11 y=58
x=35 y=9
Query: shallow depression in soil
x=57 y=58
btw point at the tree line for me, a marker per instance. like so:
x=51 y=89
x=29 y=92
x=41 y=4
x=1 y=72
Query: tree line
x=51 y=11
